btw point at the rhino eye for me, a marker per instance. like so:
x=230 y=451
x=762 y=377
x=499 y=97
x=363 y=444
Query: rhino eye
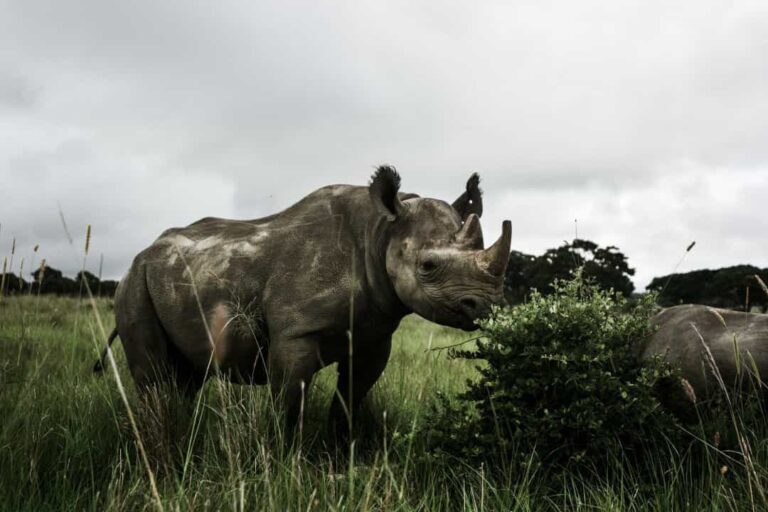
x=428 y=266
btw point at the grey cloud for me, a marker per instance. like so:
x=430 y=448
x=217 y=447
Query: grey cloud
x=142 y=115
x=16 y=91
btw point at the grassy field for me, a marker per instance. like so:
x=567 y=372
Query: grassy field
x=67 y=443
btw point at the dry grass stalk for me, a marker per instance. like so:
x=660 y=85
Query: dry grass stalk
x=761 y=283
x=689 y=391
x=717 y=315
x=40 y=274
x=87 y=239
x=746 y=300
x=21 y=275
x=101 y=267
x=85 y=257
x=7 y=266
x=34 y=254
x=13 y=252
x=2 y=279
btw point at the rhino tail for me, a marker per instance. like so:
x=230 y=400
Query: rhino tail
x=98 y=367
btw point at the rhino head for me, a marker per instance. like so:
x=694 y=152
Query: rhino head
x=435 y=256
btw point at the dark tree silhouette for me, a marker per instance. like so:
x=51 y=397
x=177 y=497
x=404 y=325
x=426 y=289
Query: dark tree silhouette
x=725 y=287
x=12 y=284
x=607 y=267
x=516 y=281
x=56 y=283
x=53 y=281
x=108 y=288
x=84 y=278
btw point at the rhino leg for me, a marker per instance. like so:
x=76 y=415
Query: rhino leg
x=292 y=364
x=366 y=367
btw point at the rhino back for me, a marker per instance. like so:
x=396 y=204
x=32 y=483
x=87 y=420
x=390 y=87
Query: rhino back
x=683 y=331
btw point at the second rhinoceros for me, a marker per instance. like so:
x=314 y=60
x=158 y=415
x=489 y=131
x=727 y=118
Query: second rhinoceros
x=276 y=299
x=714 y=349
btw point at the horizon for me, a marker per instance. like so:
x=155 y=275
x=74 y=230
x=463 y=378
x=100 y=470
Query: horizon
x=72 y=274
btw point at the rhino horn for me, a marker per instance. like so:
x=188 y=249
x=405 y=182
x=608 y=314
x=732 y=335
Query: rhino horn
x=471 y=234
x=494 y=259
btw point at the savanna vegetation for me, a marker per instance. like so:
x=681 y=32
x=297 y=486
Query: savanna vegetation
x=545 y=408
x=440 y=432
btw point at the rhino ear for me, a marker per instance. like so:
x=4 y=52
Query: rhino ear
x=471 y=201
x=383 y=189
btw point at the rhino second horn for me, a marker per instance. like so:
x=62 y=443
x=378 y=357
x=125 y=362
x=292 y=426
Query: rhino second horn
x=494 y=259
x=471 y=234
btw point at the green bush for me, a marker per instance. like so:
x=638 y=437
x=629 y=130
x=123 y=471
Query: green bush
x=559 y=383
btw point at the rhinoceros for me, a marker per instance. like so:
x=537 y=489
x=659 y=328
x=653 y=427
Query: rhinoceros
x=275 y=299
x=699 y=339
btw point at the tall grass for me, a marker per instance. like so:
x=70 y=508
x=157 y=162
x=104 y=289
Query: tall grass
x=66 y=442
x=72 y=441
x=66 y=436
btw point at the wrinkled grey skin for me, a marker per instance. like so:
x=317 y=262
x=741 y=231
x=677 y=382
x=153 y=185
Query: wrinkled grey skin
x=273 y=299
x=677 y=341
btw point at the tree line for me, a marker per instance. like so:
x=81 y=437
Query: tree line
x=48 y=280
x=730 y=287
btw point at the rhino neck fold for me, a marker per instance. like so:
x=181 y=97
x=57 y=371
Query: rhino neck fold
x=384 y=298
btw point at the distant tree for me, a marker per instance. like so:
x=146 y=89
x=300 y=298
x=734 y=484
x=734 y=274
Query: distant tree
x=84 y=278
x=108 y=288
x=516 y=281
x=104 y=288
x=607 y=267
x=53 y=281
x=12 y=284
x=725 y=287
x=681 y=288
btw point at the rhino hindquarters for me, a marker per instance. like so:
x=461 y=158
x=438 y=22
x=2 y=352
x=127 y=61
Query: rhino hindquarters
x=152 y=358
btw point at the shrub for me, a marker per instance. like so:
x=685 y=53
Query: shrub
x=559 y=379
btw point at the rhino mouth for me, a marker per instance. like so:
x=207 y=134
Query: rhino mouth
x=459 y=314
x=465 y=321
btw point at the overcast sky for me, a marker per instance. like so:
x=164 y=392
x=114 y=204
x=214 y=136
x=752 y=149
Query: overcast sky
x=646 y=121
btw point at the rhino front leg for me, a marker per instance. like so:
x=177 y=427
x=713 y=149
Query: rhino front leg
x=356 y=377
x=292 y=364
